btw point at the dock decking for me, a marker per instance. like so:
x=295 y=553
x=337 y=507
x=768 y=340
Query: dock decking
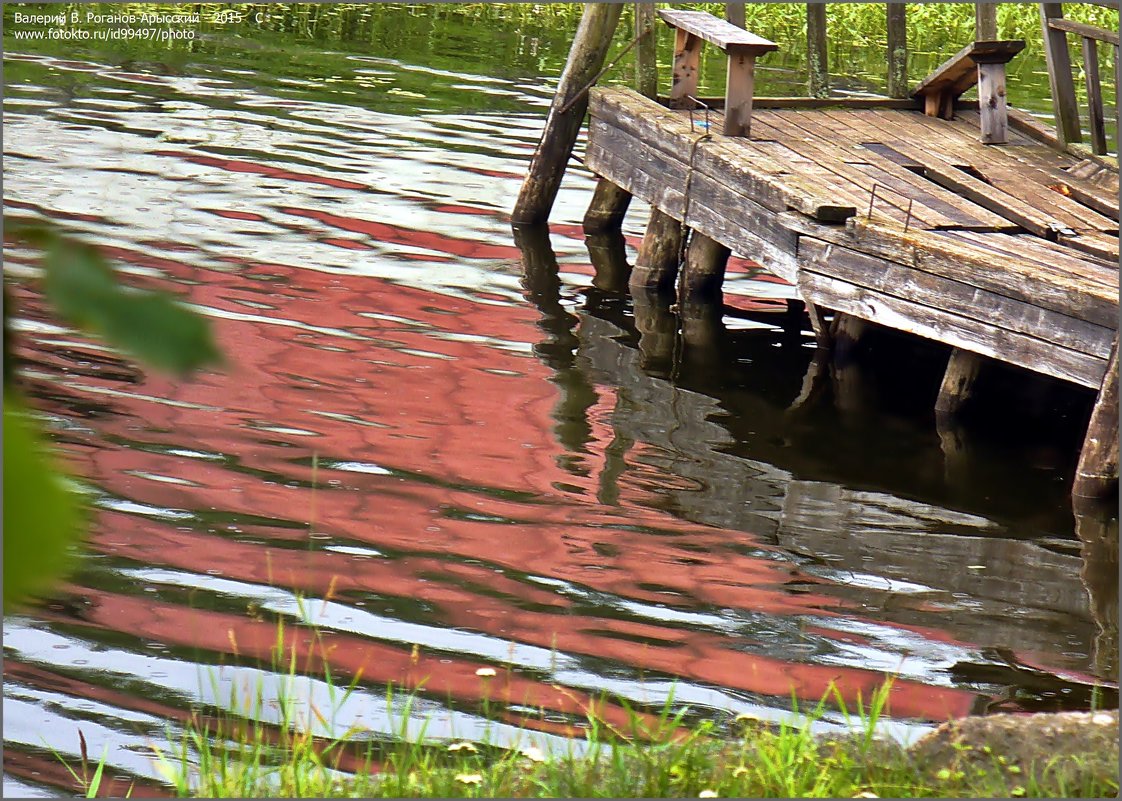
x=880 y=212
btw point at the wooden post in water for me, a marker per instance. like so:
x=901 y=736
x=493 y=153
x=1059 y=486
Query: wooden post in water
x=897 y=49
x=607 y=208
x=1064 y=105
x=656 y=266
x=586 y=57
x=704 y=270
x=646 y=54
x=818 y=68
x=1097 y=473
x=958 y=382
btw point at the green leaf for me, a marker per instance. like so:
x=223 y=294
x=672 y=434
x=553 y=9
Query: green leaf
x=151 y=326
x=42 y=518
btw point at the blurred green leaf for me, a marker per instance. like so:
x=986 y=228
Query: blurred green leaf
x=153 y=327
x=42 y=518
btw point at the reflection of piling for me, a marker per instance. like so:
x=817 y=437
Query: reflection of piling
x=608 y=253
x=658 y=331
x=1097 y=528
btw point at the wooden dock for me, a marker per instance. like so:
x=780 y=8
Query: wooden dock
x=970 y=224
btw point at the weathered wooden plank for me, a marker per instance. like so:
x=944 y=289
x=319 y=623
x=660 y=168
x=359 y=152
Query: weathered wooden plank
x=953 y=329
x=1058 y=59
x=716 y=31
x=716 y=210
x=942 y=253
x=1096 y=243
x=765 y=181
x=902 y=103
x=936 y=291
x=1031 y=127
x=1047 y=258
x=1092 y=32
x=955 y=210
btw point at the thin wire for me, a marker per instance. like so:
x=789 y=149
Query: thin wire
x=601 y=73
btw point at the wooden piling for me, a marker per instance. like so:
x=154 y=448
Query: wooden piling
x=958 y=382
x=607 y=208
x=656 y=267
x=1064 y=105
x=818 y=69
x=704 y=270
x=1097 y=473
x=845 y=335
x=897 y=49
x=586 y=57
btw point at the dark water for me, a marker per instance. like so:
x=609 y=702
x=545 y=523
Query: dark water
x=448 y=458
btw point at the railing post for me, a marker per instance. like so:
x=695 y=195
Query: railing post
x=1059 y=76
x=734 y=13
x=897 y=49
x=1094 y=95
x=818 y=69
x=985 y=22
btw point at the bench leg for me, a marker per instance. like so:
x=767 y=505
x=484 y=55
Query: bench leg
x=991 y=103
x=687 y=54
x=740 y=86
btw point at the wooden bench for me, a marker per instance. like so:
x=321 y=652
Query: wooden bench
x=691 y=29
x=981 y=63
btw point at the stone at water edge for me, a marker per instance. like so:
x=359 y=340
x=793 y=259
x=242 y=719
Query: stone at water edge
x=1079 y=745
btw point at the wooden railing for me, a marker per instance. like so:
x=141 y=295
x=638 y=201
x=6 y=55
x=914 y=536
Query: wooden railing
x=1065 y=104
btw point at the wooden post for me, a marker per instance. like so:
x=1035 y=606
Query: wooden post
x=985 y=22
x=958 y=383
x=897 y=50
x=992 y=107
x=1094 y=95
x=739 y=87
x=607 y=208
x=586 y=57
x=1056 y=55
x=646 y=56
x=734 y=13
x=704 y=270
x=845 y=334
x=818 y=66
x=1097 y=473
x=656 y=267
x=687 y=54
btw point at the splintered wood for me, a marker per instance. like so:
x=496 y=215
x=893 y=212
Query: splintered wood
x=1009 y=251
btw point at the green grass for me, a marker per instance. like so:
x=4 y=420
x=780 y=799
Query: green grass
x=232 y=754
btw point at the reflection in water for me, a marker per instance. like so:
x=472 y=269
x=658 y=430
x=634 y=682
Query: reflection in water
x=449 y=449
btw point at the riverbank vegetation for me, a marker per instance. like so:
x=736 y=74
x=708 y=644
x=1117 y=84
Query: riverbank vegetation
x=281 y=745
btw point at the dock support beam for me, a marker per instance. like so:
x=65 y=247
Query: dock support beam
x=704 y=270
x=656 y=266
x=607 y=208
x=586 y=57
x=958 y=382
x=1097 y=473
